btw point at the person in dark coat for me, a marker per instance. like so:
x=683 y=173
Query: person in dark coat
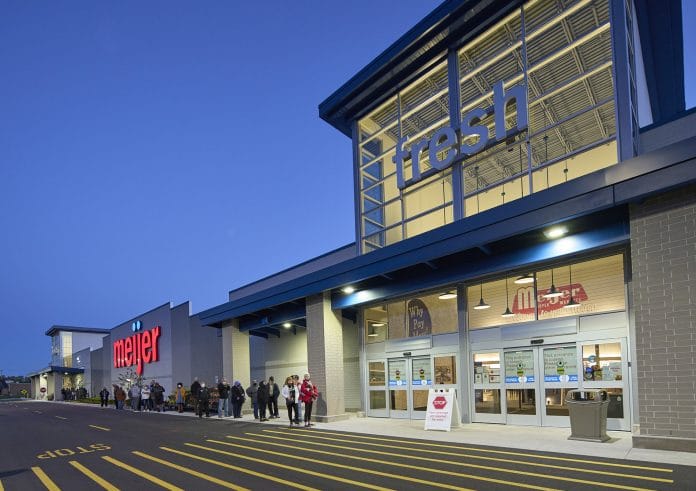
x=104 y=397
x=237 y=399
x=252 y=391
x=262 y=397
x=195 y=389
x=273 y=394
x=203 y=401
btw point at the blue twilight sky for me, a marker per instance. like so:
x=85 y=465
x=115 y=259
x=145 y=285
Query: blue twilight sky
x=169 y=151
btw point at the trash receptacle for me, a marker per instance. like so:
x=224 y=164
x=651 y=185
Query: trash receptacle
x=588 y=414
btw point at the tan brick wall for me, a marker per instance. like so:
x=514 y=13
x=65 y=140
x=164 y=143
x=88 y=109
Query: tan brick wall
x=235 y=353
x=325 y=356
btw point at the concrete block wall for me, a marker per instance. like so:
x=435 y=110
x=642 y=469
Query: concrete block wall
x=663 y=259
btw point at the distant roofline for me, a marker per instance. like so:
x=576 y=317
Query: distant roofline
x=56 y=328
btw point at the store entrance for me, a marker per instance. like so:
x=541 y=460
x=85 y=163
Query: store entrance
x=528 y=385
x=410 y=379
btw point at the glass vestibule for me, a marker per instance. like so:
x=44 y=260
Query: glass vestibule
x=528 y=385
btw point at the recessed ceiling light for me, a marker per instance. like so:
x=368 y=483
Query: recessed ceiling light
x=348 y=289
x=378 y=324
x=556 y=232
x=287 y=325
x=448 y=295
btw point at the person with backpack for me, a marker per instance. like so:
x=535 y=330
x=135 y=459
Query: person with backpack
x=252 y=391
x=238 y=398
x=273 y=393
x=204 y=401
x=289 y=392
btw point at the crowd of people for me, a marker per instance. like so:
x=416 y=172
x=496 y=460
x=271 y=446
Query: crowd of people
x=299 y=396
x=73 y=394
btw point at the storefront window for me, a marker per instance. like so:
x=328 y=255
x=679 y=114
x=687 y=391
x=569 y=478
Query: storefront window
x=445 y=370
x=425 y=315
x=487 y=372
x=377 y=373
x=594 y=286
x=378 y=399
x=602 y=362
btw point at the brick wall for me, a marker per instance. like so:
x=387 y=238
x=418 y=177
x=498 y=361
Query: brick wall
x=663 y=257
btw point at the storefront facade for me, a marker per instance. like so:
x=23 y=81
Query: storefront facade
x=524 y=184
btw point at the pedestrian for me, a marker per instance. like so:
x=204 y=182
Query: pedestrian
x=145 y=396
x=195 y=390
x=104 y=397
x=289 y=392
x=180 y=397
x=120 y=395
x=158 y=399
x=273 y=393
x=308 y=394
x=252 y=391
x=223 y=393
x=204 y=401
x=262 y=397
x=135 y=397
x=298 y=400
x=237 y=394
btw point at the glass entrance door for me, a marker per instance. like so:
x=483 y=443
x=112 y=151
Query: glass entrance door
x=536 y=382
x=409 y=381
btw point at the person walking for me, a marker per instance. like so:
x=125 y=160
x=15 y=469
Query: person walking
x=252 y=391
x=273 y=393
x=237 y=394
x=195 y=390
x=204 y=401
x=223 y=393
x=135 y=398
x=289 y=392
x=262 y=397
x=180 y=397
x=104 y=397
x=308 y=394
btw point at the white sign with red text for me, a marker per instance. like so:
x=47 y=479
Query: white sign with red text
x=443 y=410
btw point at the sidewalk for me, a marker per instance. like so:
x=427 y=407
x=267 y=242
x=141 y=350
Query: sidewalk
x=535 y=438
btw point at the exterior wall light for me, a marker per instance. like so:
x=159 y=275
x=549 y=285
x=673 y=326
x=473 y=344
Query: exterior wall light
x=348 y=290
x=287 y=325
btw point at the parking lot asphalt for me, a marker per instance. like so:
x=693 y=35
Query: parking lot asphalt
x=62 y=446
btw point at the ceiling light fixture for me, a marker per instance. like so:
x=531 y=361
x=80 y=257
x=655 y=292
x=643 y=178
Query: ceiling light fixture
x=572 y=303
x=287 y=325
x=556 y=232
x=481 y=305
x=508 y=312
x=448 y=295
x=371 y=331
x=525 y=279
x=348 y=289
x=553 y=292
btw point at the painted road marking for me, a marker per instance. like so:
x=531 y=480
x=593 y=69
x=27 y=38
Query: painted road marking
x=38 y=412
x=50 y=485
x=1 y=488
x=142 y=474
x=480 y=457
x=67 y=452
x=502 y=452
x=190 y=471
x=99 y=480
x=100 y=428
x=459 y=464
x=334 y=464
x=241 y=469
x=61 y=417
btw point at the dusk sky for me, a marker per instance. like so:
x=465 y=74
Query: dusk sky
x=169 y=151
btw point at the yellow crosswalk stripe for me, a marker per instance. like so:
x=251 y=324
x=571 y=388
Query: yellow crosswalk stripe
x=99 y=480
x=316 y=436
x=191 y=472
x=486 y=450
x=142 y=474
x=335 y=464
x=241 y=469
x=1 y=487
x=100 y=428
x=459 y=464
x=50 y=485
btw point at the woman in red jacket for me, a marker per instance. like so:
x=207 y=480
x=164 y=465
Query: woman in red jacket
x=308 y=394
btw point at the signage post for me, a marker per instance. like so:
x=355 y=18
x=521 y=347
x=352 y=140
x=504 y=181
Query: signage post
x=443 y=410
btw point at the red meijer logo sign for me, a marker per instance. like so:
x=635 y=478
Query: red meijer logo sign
x=137 y=349
x=440 y=402
x=523 y=302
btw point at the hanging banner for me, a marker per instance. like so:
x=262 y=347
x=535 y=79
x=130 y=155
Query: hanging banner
x=443 y=410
